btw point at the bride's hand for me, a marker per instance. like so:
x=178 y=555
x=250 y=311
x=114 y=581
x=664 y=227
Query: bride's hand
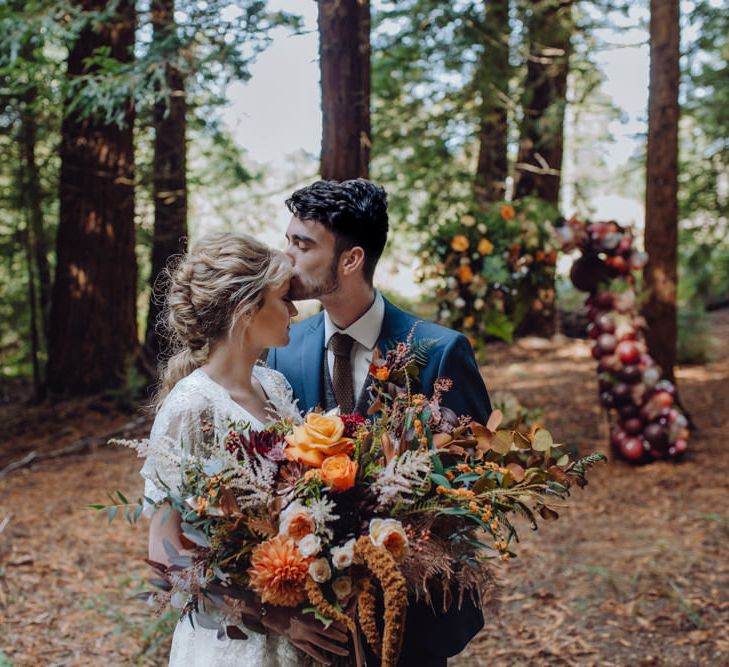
x=307 y=633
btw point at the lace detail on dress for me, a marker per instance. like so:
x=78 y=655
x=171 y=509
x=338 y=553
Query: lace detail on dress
x=193 y=412
x=280 y=394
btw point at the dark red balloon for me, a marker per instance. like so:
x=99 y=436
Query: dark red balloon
x=632 y=449
x=633 y=426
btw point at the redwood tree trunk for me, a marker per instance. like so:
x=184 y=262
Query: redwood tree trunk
x=344 y=55
x=493 y=82
x=93 y=313
x=539 y=163
x=33 y=196
x=169 y=183
x=661 y=204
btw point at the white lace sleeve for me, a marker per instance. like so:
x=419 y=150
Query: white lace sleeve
x=178 y=430
x=280 y=394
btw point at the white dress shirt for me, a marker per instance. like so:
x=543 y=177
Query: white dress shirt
x=365 y=331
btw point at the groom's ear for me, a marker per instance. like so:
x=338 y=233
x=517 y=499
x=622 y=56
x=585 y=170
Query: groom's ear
x=353 y=260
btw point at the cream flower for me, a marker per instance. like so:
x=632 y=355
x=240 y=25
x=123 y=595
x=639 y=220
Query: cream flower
x=390 y=534
x=320 y=571
x=309 y=545
x=342 y=556
x=342 y=587
x=296 y=521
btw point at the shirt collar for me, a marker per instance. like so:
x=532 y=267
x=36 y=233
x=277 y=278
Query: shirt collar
x=365 y=330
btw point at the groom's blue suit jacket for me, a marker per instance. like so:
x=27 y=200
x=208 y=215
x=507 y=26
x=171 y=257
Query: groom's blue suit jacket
x=429 y=637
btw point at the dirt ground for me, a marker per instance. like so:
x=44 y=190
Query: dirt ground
x=635 y=572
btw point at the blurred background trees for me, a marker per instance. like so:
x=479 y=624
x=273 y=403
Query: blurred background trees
x=462 y=110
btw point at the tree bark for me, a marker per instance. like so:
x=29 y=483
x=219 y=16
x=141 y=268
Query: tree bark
x=539 y=164
x=93 y=311
x=493 y=82
x=344 y=55
x=33 y=196
x=661 y=201
x=169 y=183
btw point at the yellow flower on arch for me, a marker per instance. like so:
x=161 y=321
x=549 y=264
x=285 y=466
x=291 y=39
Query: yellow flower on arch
x=485 y=247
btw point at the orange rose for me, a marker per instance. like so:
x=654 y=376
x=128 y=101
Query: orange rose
x=382 y=373
x=459 y=243
x=469 y=321
x=507 y=212
x=320 y=436
x=465 y=274
x=339 y=472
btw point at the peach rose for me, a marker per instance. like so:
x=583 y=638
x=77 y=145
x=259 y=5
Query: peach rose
x=390 y=534
x=339 y=472
x=318 y=437
x=342 y=587
x=296 y=522
x=320 y=571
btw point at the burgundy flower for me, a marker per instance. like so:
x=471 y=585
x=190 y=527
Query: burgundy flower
x=265 y=443
x=351 y=422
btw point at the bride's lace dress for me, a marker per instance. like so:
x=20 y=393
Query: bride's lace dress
x=186 y=423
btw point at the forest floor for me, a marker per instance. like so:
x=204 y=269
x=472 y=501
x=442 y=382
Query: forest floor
x=635 y=572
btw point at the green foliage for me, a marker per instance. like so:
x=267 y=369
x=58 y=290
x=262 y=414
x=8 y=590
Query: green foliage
x=487 y=267
x=212 y=44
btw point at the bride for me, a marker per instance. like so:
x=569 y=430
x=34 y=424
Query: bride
x=228 y=300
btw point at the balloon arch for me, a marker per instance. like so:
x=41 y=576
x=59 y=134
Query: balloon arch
x=646 y=423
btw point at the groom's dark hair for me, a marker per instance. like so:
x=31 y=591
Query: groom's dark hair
x=354 y=211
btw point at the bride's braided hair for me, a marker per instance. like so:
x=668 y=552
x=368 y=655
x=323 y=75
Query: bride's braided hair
x=222 y=279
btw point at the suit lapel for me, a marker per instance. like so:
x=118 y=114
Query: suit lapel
x=311 y=357
x=395 y=327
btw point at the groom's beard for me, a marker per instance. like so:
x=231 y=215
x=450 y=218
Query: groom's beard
x=303 y=289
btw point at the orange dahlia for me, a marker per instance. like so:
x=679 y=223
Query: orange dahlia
x=278 y=572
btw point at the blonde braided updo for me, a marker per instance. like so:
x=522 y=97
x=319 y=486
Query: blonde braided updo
x=221 y=280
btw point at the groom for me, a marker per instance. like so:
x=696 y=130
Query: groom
x=335 y=238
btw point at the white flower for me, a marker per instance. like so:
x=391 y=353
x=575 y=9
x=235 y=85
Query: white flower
x=342 y=587
x=445 y=314
x=322 y=511
x=452 y=282
x=342 y=556
x=482 y=227
x=478 y=304
x=459 y=303
x=309 y=545
x=403 y=479
x=320 y=571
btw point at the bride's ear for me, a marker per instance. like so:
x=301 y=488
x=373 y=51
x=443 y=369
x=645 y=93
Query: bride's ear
x=353 y=260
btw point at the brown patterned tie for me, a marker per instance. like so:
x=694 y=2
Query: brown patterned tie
x=341 y=345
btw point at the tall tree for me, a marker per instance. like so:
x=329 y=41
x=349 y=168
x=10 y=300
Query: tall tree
x=344 y=55
x=93 y=312
x=661 y=203
x=493 y=82
x=549 y=26
x=168 y=172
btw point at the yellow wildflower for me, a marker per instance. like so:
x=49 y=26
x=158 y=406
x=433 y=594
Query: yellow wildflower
x=485 y=247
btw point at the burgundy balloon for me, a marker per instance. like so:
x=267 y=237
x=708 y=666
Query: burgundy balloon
x=633 y=426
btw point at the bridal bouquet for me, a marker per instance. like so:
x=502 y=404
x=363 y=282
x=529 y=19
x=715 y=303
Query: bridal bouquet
x=322 y=514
